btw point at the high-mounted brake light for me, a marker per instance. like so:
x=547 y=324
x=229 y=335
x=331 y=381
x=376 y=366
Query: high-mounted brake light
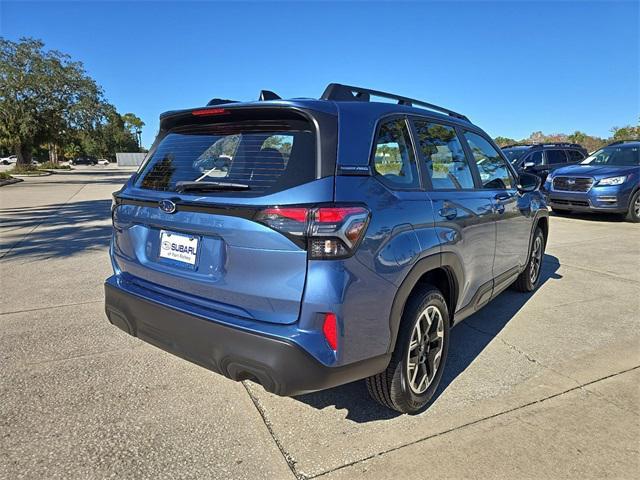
x=328 y=232
x=209 y=111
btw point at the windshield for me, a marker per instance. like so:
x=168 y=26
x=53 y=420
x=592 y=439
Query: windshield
x=260 y=157
x=614 y=155
x=514 y=154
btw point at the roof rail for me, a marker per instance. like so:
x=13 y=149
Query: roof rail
x=630 y=140
x=349 y=93
x=544 y=144
x=219 y=101
x=517 y=145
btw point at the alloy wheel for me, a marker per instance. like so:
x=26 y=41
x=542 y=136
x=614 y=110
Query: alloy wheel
x=425 y=349
x=536 y=260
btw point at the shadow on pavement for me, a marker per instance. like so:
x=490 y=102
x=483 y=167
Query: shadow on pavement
x=64 y=229
x=591 y=217
x=467 y=341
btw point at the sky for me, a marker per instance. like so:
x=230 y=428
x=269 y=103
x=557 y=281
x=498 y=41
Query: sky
x=512 y=67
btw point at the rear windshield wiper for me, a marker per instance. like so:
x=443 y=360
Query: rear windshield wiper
x=209 y=186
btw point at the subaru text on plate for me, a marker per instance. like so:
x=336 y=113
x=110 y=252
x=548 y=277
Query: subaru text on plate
x=304 y=244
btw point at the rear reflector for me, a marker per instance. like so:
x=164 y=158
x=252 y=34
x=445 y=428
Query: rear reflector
x=209 y=111
x=330 y=330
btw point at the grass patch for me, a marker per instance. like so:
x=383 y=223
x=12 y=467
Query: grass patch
x=24 y=169
x=5 y=176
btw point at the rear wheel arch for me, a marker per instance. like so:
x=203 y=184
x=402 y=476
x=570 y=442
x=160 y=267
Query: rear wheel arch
x=443 y=271
x=543 y=223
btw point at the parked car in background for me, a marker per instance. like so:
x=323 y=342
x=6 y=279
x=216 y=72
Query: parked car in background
x=341 y=240
x=542 y=158
x=84 y=160
x=103 y=161
x=607 y=181
x=9 y=160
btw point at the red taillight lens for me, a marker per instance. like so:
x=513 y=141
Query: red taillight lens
x=296 y=213
x=209 y=111
x=336 y=214
x=331 y=232
x=288 y=220
x=330 y=330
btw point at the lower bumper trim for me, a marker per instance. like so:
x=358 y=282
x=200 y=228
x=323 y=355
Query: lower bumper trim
x=280 y=366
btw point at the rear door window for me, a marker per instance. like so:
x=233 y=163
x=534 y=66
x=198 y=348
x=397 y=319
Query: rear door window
x=493 y=169
x=443 y=156
x=266 y=157
x=555 y=157
x=394 y=160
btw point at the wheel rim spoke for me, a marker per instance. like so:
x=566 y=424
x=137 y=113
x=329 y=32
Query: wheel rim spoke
x=425 y=349
x=536 y=260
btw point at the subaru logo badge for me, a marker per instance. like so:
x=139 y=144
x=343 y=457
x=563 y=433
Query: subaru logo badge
x=167 y=206
x=571 y=181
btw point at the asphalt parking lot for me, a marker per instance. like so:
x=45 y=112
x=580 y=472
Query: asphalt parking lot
x=536 y=386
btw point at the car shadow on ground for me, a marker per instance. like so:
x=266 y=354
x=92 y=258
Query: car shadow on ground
x=467 y=341
x=591 y=217
x=59 y=230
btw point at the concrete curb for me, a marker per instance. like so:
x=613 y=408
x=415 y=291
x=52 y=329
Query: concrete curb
x=43 y=173
x=10 y=181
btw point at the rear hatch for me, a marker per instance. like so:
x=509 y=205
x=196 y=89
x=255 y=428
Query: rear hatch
x=197 y=222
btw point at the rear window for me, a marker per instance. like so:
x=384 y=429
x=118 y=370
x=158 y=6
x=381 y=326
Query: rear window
x=265 y=156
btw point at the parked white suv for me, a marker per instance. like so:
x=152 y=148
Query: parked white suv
x=9 y=160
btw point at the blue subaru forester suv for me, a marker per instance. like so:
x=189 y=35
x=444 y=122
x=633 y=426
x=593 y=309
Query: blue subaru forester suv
x=606 y=181
x=304 y=244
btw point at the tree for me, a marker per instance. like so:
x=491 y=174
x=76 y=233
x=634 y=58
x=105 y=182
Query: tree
x=109 y=137
x=43 y=94
x=628 y=132
x=134 y=124
x=503 y=141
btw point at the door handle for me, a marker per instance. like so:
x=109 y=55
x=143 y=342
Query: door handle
x=503 y=196
x=448 y=212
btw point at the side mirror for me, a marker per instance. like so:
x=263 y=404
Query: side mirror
x=529 y=165
x=528 y=183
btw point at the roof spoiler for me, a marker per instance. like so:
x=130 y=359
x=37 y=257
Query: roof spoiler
x=264 y=96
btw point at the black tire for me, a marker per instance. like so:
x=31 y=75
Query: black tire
x=392 y=387
x=633 y=215
x=530 y=277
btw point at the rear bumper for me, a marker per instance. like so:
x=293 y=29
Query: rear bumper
x=281 y=366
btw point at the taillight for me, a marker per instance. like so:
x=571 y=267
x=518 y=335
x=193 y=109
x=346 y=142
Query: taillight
x=330 y=231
